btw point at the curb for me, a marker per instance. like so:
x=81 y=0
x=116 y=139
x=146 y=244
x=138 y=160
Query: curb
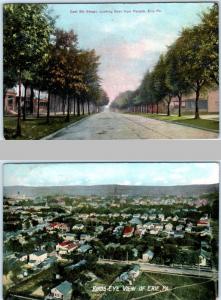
x=50 y=136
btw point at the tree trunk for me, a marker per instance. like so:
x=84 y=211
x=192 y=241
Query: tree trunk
x=18 y=128
x=168 y=105
x=63 y=106
x=48 y=108
x=157 y=107
x=152 y=108
x=68 y=109
x=168 y=108
x=78 y=107
x=83 y=108
x=180 y=103
x=197 y=115
x=24 y=103
x=32 y=100
x=88 y=107
x=39 y=95
x=74 y=106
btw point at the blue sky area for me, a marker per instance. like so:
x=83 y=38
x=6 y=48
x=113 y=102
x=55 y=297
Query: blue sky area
x=48 y=174
x=128 y=37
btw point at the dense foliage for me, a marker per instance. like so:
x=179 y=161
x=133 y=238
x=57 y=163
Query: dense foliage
x=189 y=65
x=44 y=58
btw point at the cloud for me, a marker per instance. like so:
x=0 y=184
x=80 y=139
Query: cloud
x=110 y=173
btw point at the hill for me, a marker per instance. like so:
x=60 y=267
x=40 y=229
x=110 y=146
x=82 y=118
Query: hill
x=110 y=190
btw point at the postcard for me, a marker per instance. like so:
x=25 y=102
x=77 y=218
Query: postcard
x=111 y=71
x=111 y=231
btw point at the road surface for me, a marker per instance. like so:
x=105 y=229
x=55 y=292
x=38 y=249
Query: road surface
x=146 y=267
x=110 y=125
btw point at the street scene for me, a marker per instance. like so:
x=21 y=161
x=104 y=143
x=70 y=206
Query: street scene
x=111 y=71
x=109 y=125
x=111 y=231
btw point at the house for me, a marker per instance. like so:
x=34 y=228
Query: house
x=78 y=227
x=81 y=263
x=148 y=225
x=140 y=232
x=58 y=226
x=178 y=234
x=124 y=277
x=99 y=229
x=159 y=227
x=69 y=236
x=204 y=258
x=62 y=291
x=188 y=229
x=169 y=227
x=152 y=217
x=118 y=230
x=84 y=248
x=147 y=256
x=128 y=231
x=154 y=231
x=161 y=217
x=85 y=237
x=66 y=247
x=203 y=223
x=179 y=227
x=175 y=218
x=134 y=272
x=37 y=257
x=135 y=252
x=135 y=221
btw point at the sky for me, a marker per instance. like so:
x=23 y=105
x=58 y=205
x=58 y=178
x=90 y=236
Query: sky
x=128 y=37
x=59 y=174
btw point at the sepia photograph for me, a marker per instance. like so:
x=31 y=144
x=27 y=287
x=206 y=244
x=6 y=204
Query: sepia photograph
x=107 y=231
x=110 y=71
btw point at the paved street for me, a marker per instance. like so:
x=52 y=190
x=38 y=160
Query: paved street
x=110 y=125
x=146 y=267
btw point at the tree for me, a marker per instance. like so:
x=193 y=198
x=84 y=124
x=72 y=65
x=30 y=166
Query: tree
x=195 y=60
x=210 y=41
x=162 y=89
x=175 y=77
x=26 y=35
x=89 y=67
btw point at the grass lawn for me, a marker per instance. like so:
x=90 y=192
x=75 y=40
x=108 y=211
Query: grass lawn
x=187 y=120
x=178 y=287
x=34 y=129
x=104 y=280
x=30 y=285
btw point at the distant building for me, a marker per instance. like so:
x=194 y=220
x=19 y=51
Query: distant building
x=84 y=248
x=204 y=258
x=37 y=257
x=128 y=231
x=58 y=226
x=62 y=291
x=78 y=227
x=169 y=227
x=148 y=256
x=203 y=223
x=66 y=247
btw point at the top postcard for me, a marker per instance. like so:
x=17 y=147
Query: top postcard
x=111 y=71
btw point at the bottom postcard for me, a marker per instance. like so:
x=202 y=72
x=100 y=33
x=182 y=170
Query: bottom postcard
x=111 y=230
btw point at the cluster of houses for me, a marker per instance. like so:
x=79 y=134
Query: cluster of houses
x=171 y=226
x=38 y=221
